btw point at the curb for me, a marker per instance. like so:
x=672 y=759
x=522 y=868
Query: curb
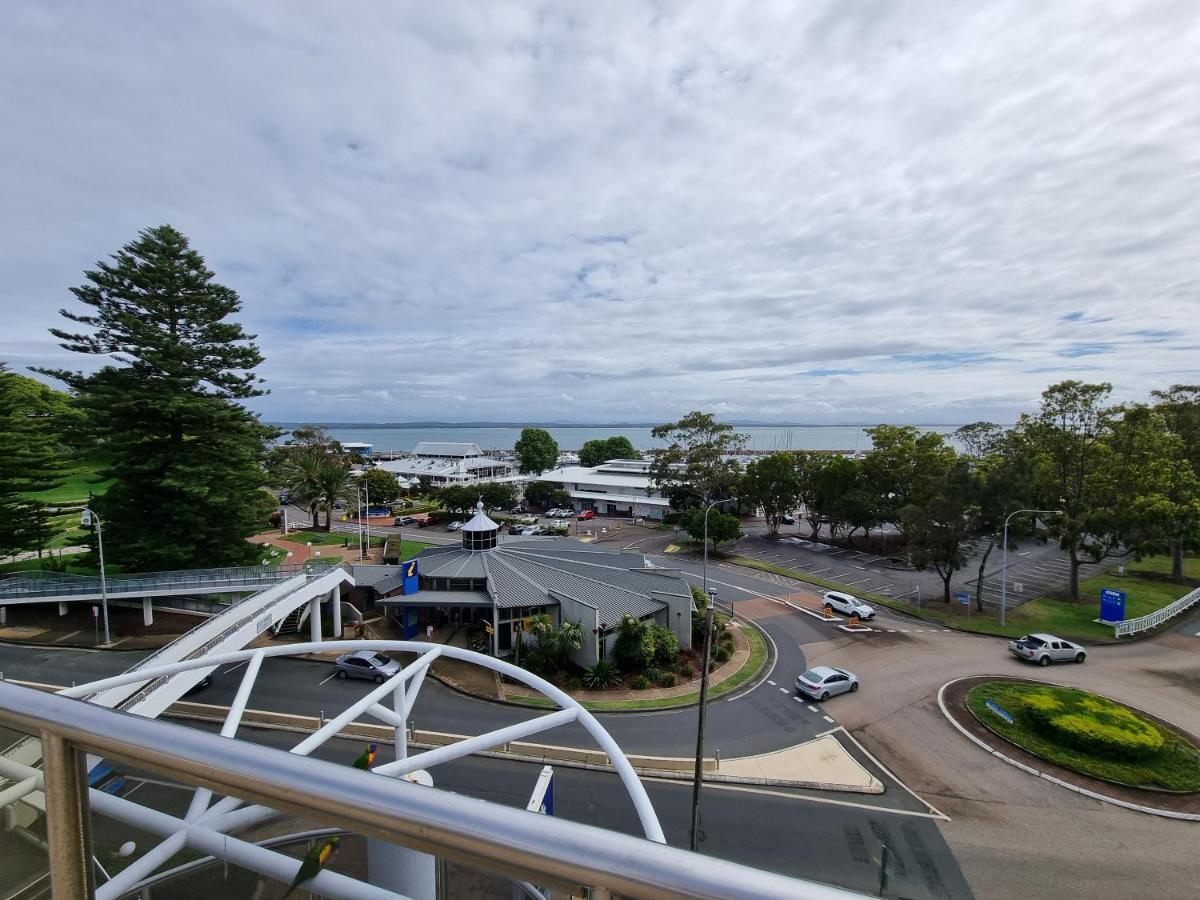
x=1149 y=810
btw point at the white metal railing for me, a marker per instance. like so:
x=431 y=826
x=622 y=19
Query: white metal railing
x=1156 y=618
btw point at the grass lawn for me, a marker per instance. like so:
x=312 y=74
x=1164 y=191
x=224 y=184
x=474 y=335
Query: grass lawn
x=72 y=560
x=1145 y=593
x=758 y=655
x=80 y=477
x=1175 y=767
x=329 y=539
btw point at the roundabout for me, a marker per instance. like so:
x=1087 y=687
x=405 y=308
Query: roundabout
x=1079 y=740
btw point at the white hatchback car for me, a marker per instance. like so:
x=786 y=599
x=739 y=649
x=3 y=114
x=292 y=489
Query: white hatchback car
x=848 y=604
x=822 y=682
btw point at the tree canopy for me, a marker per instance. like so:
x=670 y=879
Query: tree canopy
x=184 y=453
x=773 y=483
x=601 y=450
x=698 y=460
x=31 y=461
x=537 y=451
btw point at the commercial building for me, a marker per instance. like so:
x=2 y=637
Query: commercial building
x=442 y=463
x=619 y=487
x=497 y=583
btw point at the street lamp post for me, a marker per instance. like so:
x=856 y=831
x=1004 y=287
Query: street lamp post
x=707 y=510
x=1004 y=565
x=698 y=777
x=86 y=520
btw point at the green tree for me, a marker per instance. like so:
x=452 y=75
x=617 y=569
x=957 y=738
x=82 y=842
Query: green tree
x=832 y=481
x=721 y=526
x=31 y=462
x=634 y=647
x=546 y=494
x=808 y=466
x=903 y=466
x=1068 y=436
x=498 y=494
x=184 y=454
x=773 y=483
x=300 y=473
x=382 y=485
x=537 y=451
x=1180 y=407
x=699 y=458
x=601 y=450
x=939 y=530
x=555 y=644
x=336 y=484
x=1004 y=482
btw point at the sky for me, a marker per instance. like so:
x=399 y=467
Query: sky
x=818 y=212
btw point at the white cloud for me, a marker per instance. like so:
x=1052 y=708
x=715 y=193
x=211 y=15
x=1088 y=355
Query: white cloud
x=816 y=212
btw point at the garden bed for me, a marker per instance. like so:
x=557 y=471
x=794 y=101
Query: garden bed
x=1112 y=746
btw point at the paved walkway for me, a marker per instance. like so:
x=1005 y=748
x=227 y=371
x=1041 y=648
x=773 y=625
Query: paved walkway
x=33 y=554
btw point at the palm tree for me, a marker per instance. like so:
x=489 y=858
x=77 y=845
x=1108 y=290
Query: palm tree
x=302 y=476
x=335 y=484
x=556 y=644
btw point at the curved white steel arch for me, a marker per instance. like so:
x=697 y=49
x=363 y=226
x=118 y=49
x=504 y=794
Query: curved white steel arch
x=225 y=815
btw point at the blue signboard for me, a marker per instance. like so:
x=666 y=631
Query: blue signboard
x=963 y=597
x=1000 y=711
x=1112 y=605
x=411 y=582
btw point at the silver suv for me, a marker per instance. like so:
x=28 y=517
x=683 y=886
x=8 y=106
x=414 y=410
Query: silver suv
x=848 y=604
x=1044 y=649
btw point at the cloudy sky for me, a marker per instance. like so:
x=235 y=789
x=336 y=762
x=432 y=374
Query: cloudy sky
x=789 y=212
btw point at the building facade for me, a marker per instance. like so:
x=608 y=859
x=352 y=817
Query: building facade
x=444 y=463
x=619 y=487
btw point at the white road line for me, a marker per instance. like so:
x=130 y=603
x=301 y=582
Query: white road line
x=784 y=690
x=797 y=699
x=828 y=719
x=236 y=666
x=819 y=571
x=813 y=708
x=770 y=682
x=861 y=568
x=334 y=675
x=718 y=786
x=891 y=631
x=853 y=583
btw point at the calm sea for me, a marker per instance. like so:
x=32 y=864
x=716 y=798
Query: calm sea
x=782 y=437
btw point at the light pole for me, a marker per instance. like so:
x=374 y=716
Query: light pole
x=698 y=777
x=86 y=520
x=707 y=510
x=1004 y=565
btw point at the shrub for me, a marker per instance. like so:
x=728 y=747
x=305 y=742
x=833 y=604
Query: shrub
x=634 y=646
x=1094 y=726
x=722 y=654
x=666 y=645
x=639 y=683
x=601 y=675
x=687 y=671
x=667 y=680
x=572 y=683
x=653 y=673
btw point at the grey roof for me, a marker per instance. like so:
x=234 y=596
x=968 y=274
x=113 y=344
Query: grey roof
x=530 y=572
x=443 y=598
x=370 y=576
x=480 y=521
x=446 y=448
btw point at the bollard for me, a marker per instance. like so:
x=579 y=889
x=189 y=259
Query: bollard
x=718 y=754
x=322 y=725
x=883 y=861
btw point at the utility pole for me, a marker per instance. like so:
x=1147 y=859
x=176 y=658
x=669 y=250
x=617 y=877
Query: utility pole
x=698 y=778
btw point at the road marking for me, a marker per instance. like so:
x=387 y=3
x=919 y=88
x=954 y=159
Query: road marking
x=1023 y=553
x=861 y=568
x=334 y=675
x=785 y=690
x=853 y=583
x=828 y=719
x=891 y=631
x=803 y=798
x=798 y=700
x=236 y=666
x=813 y=708
x=770 y=682
x=819 y=571
x=66 y=637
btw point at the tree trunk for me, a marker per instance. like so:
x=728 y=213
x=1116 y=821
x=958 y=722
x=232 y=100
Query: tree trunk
x=1177 y=558
x=946 y=586
x=979 y=580
x=1073 y=587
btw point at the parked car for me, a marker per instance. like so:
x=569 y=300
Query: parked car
x=526 y=520
x=455 y=526
x=823 y=682
x=1044 y=649
x=402 y=521
x=285 y=497
x=366 y=664
x=586 y=514
x=560 y=513
x=339 y=504
x=424 y=522
x=532 y=530
x=517 y=509
x=848 y=604
x=785 y=519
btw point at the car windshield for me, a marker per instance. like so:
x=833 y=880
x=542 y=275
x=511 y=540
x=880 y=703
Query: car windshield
x=380 y=660
x=810 y=675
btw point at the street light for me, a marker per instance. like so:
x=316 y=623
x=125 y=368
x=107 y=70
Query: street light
x=698 y=777
x=86 y=520
x=1004 y=566
x=707 y=510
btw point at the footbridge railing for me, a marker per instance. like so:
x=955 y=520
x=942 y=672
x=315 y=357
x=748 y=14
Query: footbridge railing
x=32 y=585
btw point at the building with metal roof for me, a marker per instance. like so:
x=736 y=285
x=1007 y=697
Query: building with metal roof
x=619 y=487
x=446 y=463
x=498 y=581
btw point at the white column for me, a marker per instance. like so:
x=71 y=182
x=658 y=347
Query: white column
x=335 y=597
x=3 y=615
x=147 y=611
x=314 y=619
x=409 y=873
x=62 y=609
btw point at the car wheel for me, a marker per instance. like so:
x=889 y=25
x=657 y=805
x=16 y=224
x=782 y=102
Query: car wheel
x=853 y=686
x=1080 y=657
x=341 y=673
x=379 y=679
x=825 y=695
x=1044 y=661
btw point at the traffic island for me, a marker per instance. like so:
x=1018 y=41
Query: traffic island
x=1081 y=741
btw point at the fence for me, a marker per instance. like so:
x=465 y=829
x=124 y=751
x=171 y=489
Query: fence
x=29 y=584
x=1156 y=618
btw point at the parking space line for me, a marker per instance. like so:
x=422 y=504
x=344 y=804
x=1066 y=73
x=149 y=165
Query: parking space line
x=236 y=666
x=861 y=568
x=819 y=571
x=333 y=675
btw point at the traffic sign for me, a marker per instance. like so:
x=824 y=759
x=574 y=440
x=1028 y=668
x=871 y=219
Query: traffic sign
x=95 y=612
x=963 y=597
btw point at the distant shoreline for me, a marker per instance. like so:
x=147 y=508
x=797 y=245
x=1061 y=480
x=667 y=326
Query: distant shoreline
x=399 y=426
